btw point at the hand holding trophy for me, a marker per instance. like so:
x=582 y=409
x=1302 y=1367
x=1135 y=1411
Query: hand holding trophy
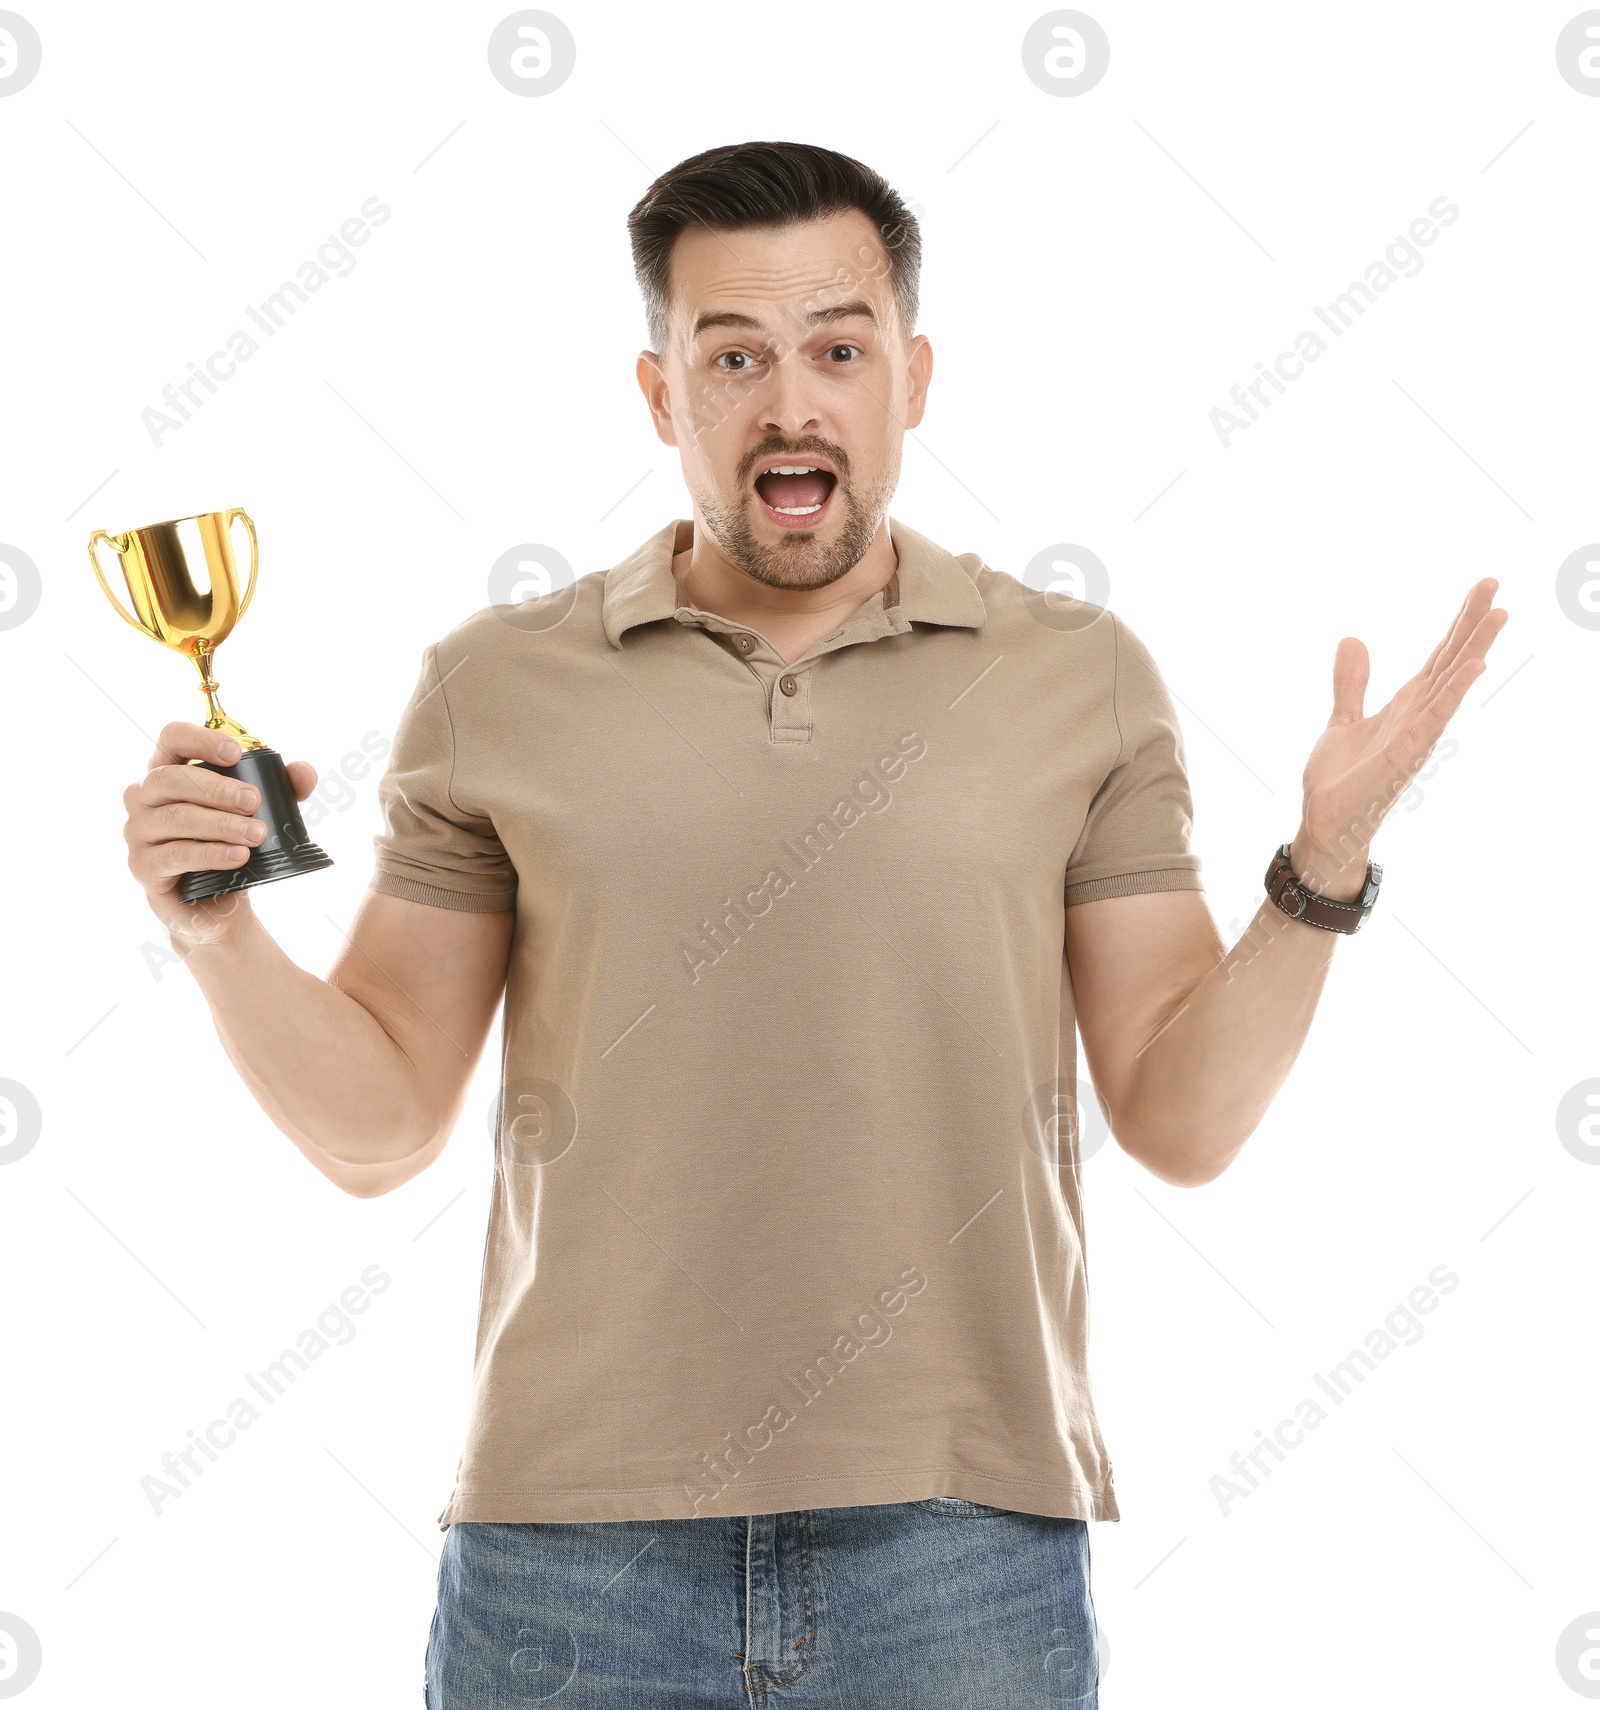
x=184 y=587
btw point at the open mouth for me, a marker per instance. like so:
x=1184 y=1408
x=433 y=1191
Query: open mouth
x=795 y=492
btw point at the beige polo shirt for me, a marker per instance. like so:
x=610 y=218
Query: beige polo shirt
x=787 y=1205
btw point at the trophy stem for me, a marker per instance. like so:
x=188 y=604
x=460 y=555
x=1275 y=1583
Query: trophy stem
x=216 y=718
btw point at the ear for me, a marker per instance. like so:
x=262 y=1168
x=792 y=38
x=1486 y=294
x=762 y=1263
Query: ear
x=919 y=374
x=653 y=383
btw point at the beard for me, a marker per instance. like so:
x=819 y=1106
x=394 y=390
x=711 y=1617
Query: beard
x=798 y=559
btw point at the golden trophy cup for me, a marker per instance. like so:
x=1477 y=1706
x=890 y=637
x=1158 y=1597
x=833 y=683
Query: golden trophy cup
x=184 y=586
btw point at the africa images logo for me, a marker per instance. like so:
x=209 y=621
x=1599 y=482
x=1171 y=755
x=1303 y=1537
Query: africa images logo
x=1403 y=259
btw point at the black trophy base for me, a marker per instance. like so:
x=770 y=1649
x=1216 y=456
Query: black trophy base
x=287 y=848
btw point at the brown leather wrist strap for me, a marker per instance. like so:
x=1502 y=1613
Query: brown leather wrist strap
x=1292 y=898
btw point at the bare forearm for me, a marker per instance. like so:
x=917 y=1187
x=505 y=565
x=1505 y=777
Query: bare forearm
x=1190 y=1043
x=366 y=1070
x=1203 y=1081
x=319 y=1064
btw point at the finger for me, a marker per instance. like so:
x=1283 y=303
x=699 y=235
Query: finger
x=1444 y=702
x=167 y=860
x=302 y=778
x=182 y=741
x=162 y=784
x=1351 y=668
x=1444 y=640
x=177 y=822
x=1474 y=646
x=1477 y=602
x=1429 y=724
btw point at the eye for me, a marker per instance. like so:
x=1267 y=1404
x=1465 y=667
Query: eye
x=740 y=356
x=851 y=348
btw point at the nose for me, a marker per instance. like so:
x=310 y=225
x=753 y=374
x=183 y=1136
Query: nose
x=787 y=405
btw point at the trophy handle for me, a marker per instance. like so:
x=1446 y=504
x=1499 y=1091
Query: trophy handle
x=105 y=587
x=255 y=557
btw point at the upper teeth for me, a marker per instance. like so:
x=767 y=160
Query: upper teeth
x=792 y=469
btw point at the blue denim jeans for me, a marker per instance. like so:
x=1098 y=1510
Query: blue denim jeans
x=935 y=1605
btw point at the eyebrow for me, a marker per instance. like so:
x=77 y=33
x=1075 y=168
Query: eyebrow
x=859 y=309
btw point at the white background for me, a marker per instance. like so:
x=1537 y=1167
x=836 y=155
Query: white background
x=1099 y=271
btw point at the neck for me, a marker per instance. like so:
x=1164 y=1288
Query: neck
x=790 y=618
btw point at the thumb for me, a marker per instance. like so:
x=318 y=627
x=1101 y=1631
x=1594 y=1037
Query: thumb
x=1350 y=668
x=302 y=778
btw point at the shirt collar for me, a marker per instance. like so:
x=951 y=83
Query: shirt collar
x=929 y=585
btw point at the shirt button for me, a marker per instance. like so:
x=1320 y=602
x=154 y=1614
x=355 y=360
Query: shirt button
x=788 y=685
x=744 y=643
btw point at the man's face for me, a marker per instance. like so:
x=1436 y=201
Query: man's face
x=787 y=384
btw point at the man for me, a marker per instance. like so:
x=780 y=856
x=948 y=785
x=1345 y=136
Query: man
x=796 y=846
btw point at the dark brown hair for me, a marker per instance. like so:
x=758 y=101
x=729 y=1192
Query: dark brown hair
x=766 y=184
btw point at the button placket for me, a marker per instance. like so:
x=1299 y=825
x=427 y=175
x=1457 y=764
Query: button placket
x=761 y=660
x=789 y=697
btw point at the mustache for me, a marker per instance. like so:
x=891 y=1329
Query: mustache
x=835 y=456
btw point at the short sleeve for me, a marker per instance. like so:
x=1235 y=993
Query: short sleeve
x=431 y=850
x=1135 y=837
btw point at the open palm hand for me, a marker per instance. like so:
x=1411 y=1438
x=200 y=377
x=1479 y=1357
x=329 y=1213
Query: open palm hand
x=1362 y=763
